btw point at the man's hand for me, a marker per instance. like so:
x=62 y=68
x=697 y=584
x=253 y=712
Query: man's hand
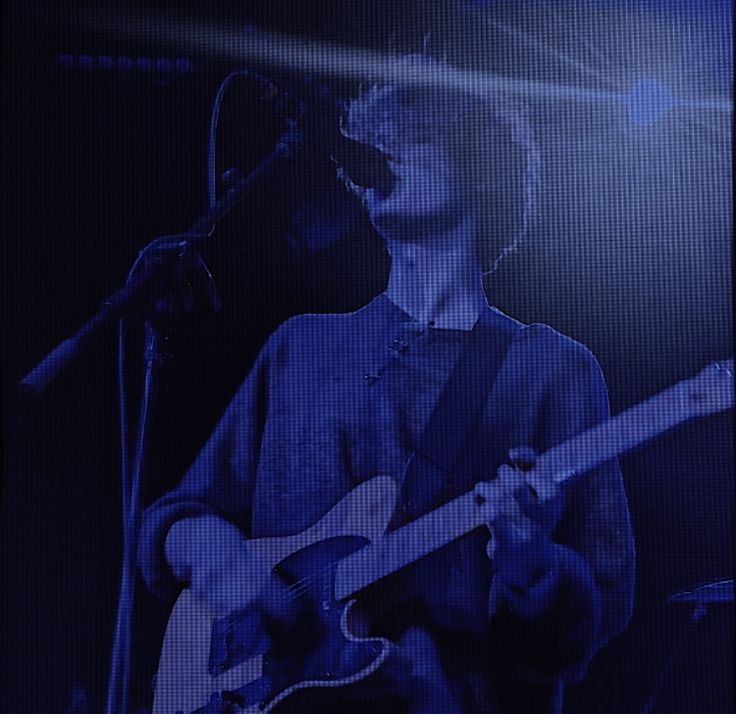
x=527 y=567
x=212 y=555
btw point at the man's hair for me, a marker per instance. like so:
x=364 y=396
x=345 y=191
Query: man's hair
x=489 y=140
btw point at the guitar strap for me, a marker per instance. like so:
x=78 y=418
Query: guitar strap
x=443 y=463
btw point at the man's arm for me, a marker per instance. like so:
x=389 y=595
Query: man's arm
x=211 y=505
x=576 y=589
x=212 y=556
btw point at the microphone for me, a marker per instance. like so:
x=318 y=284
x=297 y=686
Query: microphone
x=319 y=120
x=365 y=165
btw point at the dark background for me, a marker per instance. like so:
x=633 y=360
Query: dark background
x=630 y=255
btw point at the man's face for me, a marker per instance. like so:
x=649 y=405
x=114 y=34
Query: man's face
x=427 y=198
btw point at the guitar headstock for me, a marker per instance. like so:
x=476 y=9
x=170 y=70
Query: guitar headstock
x=712 y=390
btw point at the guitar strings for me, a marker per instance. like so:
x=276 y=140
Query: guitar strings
x=301 y=586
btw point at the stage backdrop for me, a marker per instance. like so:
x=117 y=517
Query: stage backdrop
x=106 y=118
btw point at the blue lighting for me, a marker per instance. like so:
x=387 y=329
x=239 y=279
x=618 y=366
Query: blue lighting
x=160 y=65
x=648 y=102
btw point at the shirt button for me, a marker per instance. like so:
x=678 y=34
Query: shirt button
x=398 y=346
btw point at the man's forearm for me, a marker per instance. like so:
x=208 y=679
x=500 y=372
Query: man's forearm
x=193 y=542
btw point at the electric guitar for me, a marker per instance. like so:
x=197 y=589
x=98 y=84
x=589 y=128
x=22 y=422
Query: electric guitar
x=241 y=663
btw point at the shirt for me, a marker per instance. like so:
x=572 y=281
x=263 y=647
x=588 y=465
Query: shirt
x=333 y=400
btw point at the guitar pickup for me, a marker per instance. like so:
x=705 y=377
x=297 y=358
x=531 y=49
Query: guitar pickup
x=235 y=639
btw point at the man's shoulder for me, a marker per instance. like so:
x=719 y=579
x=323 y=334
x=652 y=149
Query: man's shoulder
x=320 y=322
x=545 y=344
x=325 y=330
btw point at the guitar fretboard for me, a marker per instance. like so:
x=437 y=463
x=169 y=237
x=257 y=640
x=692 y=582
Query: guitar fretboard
x=619 y=434
x=589 y=449
x=401 y=547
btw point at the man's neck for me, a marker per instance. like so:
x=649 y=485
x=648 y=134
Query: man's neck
x=437 y=280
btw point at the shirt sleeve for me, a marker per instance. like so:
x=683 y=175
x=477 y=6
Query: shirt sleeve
x=593 y=539
x=219 y=482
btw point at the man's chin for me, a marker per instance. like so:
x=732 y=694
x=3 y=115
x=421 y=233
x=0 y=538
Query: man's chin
x=413 y=228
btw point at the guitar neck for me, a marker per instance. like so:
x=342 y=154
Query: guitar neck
x=619 y=434
x=601 y=443
x=401 y=547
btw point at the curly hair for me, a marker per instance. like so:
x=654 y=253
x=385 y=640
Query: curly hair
x=489 y=139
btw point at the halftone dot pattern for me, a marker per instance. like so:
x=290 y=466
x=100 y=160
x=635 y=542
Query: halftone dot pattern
x=592 y=143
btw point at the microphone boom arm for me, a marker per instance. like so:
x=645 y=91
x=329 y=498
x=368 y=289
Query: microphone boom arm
x=66 y=353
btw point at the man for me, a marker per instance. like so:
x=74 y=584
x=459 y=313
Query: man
x=334 y=400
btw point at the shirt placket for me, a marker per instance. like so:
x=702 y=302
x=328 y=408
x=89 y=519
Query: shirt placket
x=398 y=348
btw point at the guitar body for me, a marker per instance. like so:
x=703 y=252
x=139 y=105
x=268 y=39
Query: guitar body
x=252 y=660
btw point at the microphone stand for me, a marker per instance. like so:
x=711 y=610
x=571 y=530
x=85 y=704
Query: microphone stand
x=695 y=617
x=146 y=289
x=718 y=592
x=116 y=304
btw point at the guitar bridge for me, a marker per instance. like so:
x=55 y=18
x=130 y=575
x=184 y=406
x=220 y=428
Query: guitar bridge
x=235 y=639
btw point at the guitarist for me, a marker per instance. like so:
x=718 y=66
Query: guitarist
x=333 y=400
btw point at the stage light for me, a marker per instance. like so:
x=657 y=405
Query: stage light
x=160 y=65
x=648 y=101
x=125 y=63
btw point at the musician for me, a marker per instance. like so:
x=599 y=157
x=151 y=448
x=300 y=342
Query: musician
x=334 y=400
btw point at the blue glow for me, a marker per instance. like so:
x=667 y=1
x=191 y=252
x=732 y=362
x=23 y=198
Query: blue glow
x=163 y=65
x=648 y=102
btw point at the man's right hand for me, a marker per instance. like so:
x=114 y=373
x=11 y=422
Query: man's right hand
x=213 y=557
